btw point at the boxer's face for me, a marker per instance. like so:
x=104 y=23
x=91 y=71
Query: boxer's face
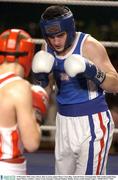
x=58 y=41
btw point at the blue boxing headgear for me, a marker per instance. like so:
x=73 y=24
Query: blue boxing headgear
x=60 y=23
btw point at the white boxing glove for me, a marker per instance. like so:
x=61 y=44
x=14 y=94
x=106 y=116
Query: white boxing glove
x=42 y=62
x=74 y=65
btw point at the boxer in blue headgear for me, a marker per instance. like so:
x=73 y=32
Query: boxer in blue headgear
x=56 y=20
x=82 y=70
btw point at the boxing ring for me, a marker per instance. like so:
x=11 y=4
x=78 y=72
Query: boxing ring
x=45 y=160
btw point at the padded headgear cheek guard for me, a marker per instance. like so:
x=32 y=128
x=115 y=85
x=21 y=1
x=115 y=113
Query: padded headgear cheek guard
x=63 y=23
x=15 y=49
x=26 y=61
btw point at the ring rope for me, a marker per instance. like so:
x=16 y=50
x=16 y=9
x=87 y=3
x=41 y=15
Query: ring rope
x=110 y=44
x=71 y=2
x=105 y=43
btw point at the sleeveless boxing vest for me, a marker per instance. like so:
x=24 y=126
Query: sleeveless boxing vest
x=77 y=91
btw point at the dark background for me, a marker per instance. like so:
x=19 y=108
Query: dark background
x=101 y=22
x=90 y=19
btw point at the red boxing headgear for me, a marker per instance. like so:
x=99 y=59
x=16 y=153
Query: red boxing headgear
x=16 y=45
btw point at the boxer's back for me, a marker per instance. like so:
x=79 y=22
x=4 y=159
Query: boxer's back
x=8 y=91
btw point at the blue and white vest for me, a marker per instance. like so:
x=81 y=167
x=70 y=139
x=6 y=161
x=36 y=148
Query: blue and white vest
x=76 y=96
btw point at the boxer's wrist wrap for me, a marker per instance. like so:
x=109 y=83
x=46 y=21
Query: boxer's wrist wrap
x=94 y=73
x=41 y=79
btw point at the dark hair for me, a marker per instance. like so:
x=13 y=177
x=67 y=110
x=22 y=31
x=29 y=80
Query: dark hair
x=54 y=11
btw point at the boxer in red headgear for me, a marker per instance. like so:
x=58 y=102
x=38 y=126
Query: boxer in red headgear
x=19 y=102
